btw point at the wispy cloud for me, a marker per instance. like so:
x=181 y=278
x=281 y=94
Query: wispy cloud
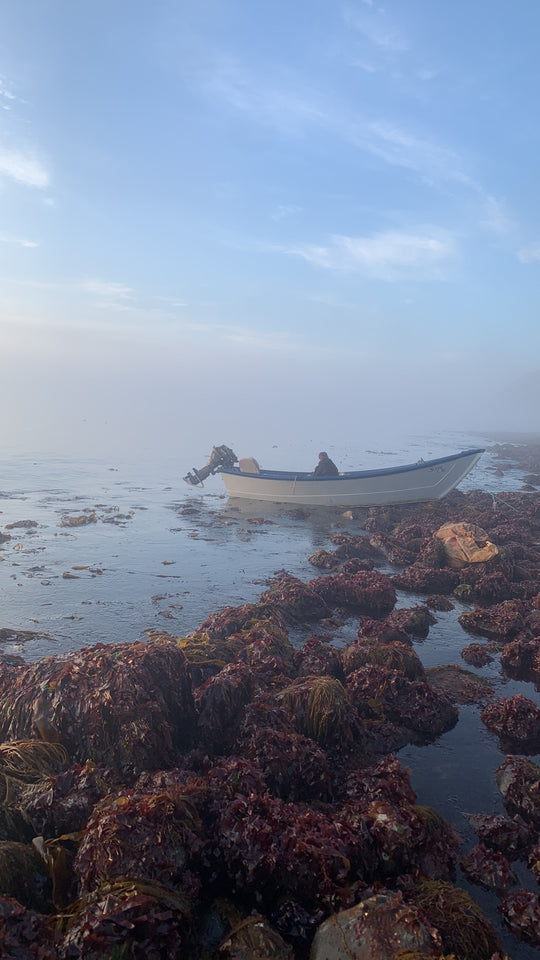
x=108 y=290
x=375 y=25
x=530 y=254
x=23 y=168
x=384 y=256
x=18 y=241
x=284 y=210
x=495 y=217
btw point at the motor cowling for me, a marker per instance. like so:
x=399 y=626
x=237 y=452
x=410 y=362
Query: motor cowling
x=221 y=457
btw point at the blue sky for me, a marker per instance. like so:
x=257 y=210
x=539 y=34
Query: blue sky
x=213 y=212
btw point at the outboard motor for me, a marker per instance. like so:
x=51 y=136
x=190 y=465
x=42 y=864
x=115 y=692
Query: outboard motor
x=220 y=457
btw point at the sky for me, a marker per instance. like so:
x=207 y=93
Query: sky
x=228 y=221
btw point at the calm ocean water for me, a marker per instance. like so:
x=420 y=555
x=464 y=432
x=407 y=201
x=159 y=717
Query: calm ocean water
x=158 y=554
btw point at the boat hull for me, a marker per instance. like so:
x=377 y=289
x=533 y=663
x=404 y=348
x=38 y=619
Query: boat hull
x=412 y=483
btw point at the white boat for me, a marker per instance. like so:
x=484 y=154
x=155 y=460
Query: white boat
x=412 y=483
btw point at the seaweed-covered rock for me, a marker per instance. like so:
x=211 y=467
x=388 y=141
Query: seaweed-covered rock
x=464 y=929
x=295 y=767
x=254 y=939
x=365 y=592
x=232 y=620
x=460 y=685
x=24 y=934
x=148 y=837
x=515 y=719
x=268 y=845
x=500 y=622
x=500 y=833
x=393 y=655
x=128 y=705
x=208 y=655
x=478 y=654
x=519 y=782
x=521 y=911
x=296 y=601
x=24 y=876
x=521 y=659
x=220 y=703
x=143 y=921
x=488 y=868
x=379 y=927
x=321 y=708
x=414 y=704
x=25 y=767
x=424 y=578
x=318 y=657
x=64 y=802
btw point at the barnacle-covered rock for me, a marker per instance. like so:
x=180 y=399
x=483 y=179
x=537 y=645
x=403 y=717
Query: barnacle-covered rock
x=515 y=719
x=488 y=868
x=127 y=705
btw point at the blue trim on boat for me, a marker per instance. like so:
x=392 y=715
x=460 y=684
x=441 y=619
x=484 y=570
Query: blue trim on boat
x=380 y=472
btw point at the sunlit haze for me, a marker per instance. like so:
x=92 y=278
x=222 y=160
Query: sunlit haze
x=227 y=220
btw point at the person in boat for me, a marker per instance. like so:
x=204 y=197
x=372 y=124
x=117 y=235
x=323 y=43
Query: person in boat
x=325 y=467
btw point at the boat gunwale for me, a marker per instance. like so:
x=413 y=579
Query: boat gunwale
x=288 y=475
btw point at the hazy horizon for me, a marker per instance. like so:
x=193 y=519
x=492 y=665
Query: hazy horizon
x=266 y=224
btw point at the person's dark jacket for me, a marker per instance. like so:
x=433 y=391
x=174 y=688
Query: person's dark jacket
x=325 y=468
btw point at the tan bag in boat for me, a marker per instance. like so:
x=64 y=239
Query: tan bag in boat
x=465 y=543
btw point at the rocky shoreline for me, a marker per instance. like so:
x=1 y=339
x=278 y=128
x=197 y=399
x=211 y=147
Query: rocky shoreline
x=229 y=795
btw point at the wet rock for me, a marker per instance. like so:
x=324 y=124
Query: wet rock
x=24 y=876
x=377 y=928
